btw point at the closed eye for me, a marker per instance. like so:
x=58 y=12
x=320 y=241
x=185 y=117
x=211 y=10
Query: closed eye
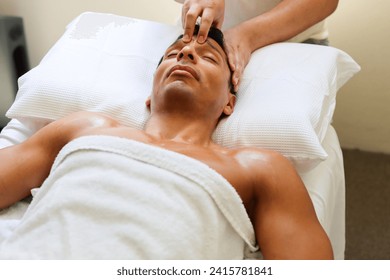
x=171 y=54
x=210 y=58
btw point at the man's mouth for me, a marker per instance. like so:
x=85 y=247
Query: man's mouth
x=184 y=70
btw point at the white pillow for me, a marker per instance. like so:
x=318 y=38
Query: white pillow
x=105 y=63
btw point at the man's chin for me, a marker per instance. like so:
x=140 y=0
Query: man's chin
x=178 y=89
x=180 y=85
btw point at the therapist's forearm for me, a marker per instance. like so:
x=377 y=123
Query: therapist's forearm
x=285 y=21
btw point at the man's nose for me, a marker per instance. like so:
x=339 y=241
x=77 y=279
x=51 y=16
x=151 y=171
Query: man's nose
x=187 y=52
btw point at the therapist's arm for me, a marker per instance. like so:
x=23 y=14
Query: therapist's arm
x=284 y=21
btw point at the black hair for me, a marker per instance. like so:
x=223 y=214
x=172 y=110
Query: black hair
x=214 y=33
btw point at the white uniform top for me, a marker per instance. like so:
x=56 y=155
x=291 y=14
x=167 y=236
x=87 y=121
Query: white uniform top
x=237 y=11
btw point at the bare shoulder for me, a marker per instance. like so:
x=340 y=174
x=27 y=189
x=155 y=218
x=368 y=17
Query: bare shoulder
x=80 y=123
x=260 y=161
x=62 y=131
x=84 y=120
x=269 y=170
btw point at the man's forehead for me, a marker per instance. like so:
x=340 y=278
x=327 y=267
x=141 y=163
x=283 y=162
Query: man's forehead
x=210 y=42
x=215 y=34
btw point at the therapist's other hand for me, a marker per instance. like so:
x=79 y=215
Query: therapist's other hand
x=239 y=51
x=211 y=13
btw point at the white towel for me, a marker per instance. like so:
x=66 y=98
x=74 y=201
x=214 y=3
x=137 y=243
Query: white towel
x=113 y=198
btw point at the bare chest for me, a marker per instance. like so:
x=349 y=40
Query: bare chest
x=221 y=160
x=223 y=163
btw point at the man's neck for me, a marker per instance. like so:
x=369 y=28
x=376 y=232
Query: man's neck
x=179 y=129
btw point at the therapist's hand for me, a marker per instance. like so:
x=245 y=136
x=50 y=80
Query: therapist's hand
x=211 y=13
x=239 y=50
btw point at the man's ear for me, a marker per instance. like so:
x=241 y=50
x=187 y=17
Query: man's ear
x=229 y=107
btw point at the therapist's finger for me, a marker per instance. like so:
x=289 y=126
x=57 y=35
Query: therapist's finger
x=184 y=11
x=205 y=24
x=236 y=78
x=190 y=18
x=233 y=64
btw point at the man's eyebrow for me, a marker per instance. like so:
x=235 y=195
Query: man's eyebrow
x=173 y=44
x=180 y=42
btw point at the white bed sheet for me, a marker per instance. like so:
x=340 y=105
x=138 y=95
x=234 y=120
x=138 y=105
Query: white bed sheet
x=326 y=186
x=325 y=183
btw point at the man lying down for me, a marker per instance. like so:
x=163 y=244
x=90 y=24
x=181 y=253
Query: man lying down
x=166 y=192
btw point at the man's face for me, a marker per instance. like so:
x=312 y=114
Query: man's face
x=193 y=72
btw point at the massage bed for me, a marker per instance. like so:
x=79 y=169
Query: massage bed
x=105 y=63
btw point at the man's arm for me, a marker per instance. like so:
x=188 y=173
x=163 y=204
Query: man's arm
x=284 y=218
x=26 y=165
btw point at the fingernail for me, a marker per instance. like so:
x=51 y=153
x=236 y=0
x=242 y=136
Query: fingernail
x=186 y=38
x=201 y=39
x=236 y=85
